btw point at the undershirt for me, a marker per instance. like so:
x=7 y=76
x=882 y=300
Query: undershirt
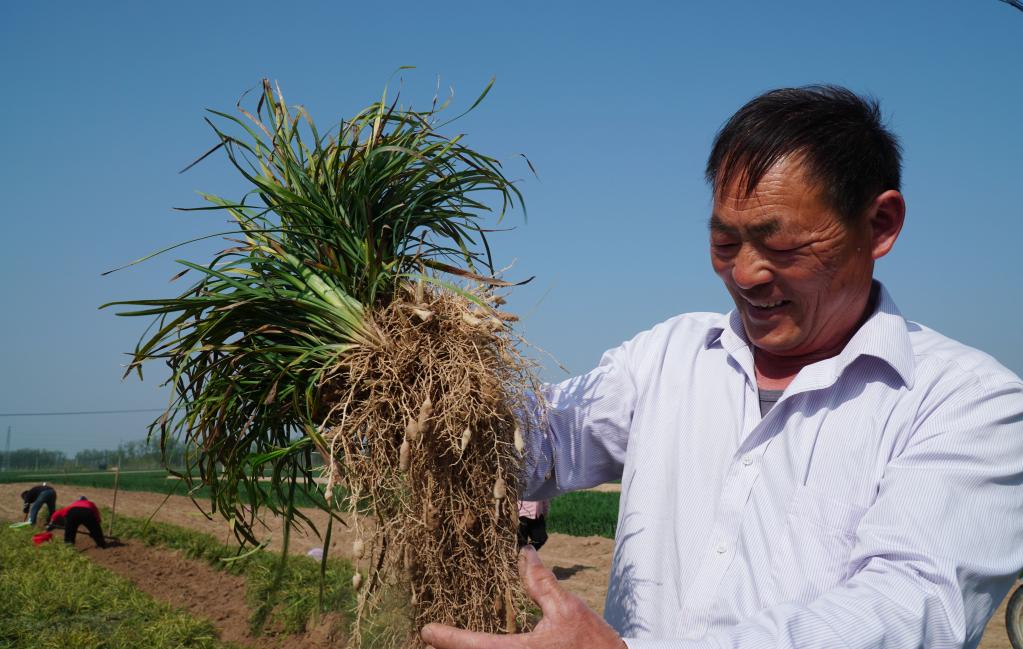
x=767 y=400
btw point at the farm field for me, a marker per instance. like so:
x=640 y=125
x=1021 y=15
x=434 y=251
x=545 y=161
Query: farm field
x=95 y=608
x=582 y=563
x=590 y=513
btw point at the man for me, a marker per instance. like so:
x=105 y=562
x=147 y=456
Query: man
x=810 y=470
x=33 y=500
x=81 y=512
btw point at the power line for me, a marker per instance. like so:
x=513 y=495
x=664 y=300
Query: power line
x=79 y=412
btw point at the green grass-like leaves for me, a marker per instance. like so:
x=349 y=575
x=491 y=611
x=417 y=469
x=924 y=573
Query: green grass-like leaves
x=332 y=225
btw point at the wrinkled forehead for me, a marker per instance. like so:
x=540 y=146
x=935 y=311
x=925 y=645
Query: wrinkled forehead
x=739 y=183
x=788 y=184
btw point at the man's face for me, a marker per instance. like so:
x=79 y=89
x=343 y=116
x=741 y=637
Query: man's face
x=800 y=276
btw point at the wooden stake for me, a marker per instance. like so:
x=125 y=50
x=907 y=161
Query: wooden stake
x=113 y=508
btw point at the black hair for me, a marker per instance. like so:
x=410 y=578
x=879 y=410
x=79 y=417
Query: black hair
x=845 y=146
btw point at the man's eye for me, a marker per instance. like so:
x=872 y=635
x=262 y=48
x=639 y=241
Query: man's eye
x=784 y=248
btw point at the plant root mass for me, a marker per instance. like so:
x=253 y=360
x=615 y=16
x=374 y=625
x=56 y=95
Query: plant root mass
x=423 y=433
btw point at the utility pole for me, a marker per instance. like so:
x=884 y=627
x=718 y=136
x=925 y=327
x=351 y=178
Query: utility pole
x=7 y=451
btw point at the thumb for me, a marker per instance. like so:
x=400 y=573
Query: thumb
x=540 y=583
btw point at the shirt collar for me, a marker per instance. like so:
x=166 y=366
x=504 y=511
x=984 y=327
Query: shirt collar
x=884 y=335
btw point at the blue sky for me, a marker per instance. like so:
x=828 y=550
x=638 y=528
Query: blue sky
x=615 y=103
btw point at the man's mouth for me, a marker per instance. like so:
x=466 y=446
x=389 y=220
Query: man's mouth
x=766 y=307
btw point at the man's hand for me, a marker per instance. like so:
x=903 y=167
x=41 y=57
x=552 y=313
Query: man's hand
x=567 y=623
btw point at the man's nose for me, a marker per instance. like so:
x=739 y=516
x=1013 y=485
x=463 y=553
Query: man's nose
x=750 y=269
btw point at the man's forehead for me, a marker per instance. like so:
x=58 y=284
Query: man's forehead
x=787 y=180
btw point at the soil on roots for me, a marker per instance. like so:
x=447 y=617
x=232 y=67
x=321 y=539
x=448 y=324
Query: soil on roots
x=423 y=435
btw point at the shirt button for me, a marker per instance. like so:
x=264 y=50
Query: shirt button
x=721 y=548
x=747 y=460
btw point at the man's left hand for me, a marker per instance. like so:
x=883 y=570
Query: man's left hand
x=567 y=623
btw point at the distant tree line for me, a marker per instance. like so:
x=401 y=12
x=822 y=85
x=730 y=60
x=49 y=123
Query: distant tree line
x=141 y=454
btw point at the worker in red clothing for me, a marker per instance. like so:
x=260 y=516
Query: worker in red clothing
x=81 y=512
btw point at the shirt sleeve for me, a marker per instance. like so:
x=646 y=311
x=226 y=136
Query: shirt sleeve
x=582 y=431
x=935 y=553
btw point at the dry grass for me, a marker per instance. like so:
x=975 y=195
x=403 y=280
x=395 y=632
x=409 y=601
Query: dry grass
x=424 y=430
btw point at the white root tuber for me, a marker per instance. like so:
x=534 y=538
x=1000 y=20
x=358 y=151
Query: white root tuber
x=424 y=315
x=425 y=412
x=520 y=442
x=404 y=456
x=412 y=431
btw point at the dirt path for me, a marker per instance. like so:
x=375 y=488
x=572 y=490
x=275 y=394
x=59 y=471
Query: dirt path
x=581 y=563
x=168 y=576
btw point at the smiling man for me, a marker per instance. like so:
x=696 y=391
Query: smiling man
x=799 y=272
x=811 y=469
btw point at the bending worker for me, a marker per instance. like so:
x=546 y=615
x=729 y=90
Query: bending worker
x=811 y=470
x=81 y=512
x=35 y=498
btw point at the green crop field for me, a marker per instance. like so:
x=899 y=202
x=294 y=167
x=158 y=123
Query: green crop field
x=154 y=481
x=55 y=597
x=584 y=513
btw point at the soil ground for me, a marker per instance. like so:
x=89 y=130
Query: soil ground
x=581 y=563
x=168 y=576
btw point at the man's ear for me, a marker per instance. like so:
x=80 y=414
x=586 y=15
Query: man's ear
x=886 y=216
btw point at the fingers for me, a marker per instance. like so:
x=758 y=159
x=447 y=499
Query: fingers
x=441 y=636
x=541 y=584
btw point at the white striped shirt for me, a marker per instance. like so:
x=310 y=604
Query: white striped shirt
x=877 y=505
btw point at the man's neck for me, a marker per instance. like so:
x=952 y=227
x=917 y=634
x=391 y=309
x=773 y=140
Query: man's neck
x=775 y=372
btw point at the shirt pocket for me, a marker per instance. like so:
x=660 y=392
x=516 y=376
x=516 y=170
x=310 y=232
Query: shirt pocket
x=812 y=555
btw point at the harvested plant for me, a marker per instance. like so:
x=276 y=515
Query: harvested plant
x=355 y=316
